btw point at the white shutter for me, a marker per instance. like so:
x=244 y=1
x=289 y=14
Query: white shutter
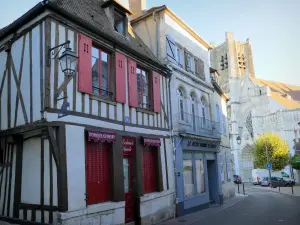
x=171 y=49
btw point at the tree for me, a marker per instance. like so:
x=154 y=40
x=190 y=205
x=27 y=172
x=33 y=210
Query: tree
x=295 y=164
x=278 y=151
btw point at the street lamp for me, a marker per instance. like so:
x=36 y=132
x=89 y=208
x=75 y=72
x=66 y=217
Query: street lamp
x=238 y=139
x=67 y=60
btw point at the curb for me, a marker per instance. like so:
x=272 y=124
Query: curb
x=272 y=190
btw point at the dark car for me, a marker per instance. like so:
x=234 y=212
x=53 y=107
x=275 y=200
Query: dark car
x=237 y=179
x=278 y=182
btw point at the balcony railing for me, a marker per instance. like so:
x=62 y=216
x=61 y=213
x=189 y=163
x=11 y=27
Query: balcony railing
x=189 y=123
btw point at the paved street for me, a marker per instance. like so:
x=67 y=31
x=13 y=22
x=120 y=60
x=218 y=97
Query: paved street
x=261 y=207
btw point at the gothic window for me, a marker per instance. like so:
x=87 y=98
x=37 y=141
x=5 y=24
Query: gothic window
x=241 y=61
x=249 y=124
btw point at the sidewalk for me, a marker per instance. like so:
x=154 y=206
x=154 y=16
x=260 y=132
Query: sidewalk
x=194 y=217
x=283 y=190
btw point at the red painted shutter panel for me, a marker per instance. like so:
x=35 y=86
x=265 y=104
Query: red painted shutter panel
x=149 y=170
x=120 y=78
x=132 y=84
x=156 y=91
x=85 y=64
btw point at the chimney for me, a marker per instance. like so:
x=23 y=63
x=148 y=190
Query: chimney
x=137 y=7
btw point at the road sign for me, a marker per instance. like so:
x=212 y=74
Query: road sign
x=298 y=159
x=269 y=166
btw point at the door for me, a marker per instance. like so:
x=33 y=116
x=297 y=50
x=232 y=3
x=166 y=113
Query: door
x=128 y=189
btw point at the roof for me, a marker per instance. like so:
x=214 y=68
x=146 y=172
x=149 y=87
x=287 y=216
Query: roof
x=118 y=4
x=89 y=14
x=280 y=92
x=174 y=17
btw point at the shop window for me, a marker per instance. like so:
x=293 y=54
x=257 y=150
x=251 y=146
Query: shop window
x=193 y=173
x=200 y=176
x=143 y=88
x=98 y=172
x=100 y=72
x=149 y=169
x=188 y=177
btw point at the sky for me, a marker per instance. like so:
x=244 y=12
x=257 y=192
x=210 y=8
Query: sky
x=271 y=25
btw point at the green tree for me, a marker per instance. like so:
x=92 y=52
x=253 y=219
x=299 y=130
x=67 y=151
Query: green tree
x=295 y=164
x=278 y=151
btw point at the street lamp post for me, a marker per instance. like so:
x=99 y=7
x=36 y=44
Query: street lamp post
x=267 y=154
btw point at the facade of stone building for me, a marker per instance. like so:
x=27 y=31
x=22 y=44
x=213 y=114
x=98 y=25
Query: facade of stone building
x=199 y=127
x=256 y=106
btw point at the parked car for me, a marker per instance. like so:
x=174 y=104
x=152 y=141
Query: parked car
x=265 y=181
x=237 y=179
x=276 y=182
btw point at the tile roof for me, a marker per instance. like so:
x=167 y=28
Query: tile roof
x=279 y=92
x=91 y=12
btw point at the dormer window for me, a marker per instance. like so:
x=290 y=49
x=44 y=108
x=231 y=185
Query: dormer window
x=120 y=22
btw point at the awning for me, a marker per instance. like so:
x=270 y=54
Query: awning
x=96 y=136
x=151 y=141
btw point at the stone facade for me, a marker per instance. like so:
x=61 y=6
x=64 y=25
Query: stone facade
x=255 y=106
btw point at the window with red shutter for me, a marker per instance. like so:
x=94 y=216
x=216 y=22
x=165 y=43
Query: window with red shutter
x=149 y=169
x=143 y=88
x=97 y=172
x=84 y=64
x=132 y=84
x=156 y=91
x=100 y=72
x=120 y=78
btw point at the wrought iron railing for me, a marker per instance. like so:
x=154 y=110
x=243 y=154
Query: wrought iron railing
x=189 y=123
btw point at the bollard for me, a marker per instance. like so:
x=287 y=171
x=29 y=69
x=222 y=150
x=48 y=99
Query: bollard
x=238 y=187
x=243 y=188
x=279 y=188
x=292 y=189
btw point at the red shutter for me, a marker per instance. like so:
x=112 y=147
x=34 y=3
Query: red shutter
x=132 y=84
x=120 y=78
x=97 y=172
x=149 y=171
x=156 y=91
x=85 y=64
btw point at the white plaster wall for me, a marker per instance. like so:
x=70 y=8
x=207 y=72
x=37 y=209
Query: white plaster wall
x=75 y=149
x=31 y=175
x=154 y=202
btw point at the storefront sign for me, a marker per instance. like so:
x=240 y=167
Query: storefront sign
x=151 y=141
x=128 y=145
x=194 y=144
x=97 y=136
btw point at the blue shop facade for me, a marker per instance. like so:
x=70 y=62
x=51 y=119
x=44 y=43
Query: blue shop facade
x=197 y=173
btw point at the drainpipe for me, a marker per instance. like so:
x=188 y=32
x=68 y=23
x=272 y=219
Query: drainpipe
x=156 y=27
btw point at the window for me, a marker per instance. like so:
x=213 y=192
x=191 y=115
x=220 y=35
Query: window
x=120 y=22
x=188 y=177
x=180 y=57
x=143 y=88
x=193 y=100
x=98 y=172
x=200 y=176
x=204 y=111
x=100 y=72
x=189 y=62
x=181 y=98
x=193 y=173
x=222 y=167
x=126 y=170
x=149 y=169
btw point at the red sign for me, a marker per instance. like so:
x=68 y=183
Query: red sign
x=97 y=136
x=128 y=145
x=151 y=141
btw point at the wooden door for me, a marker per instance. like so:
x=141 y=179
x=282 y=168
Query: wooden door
x=128 y=189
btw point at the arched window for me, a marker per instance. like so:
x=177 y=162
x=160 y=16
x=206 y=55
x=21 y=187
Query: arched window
x=204 y=112
x=193 y=109
x=181 y=103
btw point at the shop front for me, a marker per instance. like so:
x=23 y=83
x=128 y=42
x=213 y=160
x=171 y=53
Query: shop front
x=121 y=168
x=197 y=176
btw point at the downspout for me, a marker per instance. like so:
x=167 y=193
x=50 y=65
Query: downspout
x=157 y=30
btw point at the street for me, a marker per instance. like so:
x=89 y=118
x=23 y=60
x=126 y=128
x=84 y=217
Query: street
x=261 y=207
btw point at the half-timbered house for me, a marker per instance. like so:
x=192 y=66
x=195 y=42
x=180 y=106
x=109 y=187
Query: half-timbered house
x=84 y=147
